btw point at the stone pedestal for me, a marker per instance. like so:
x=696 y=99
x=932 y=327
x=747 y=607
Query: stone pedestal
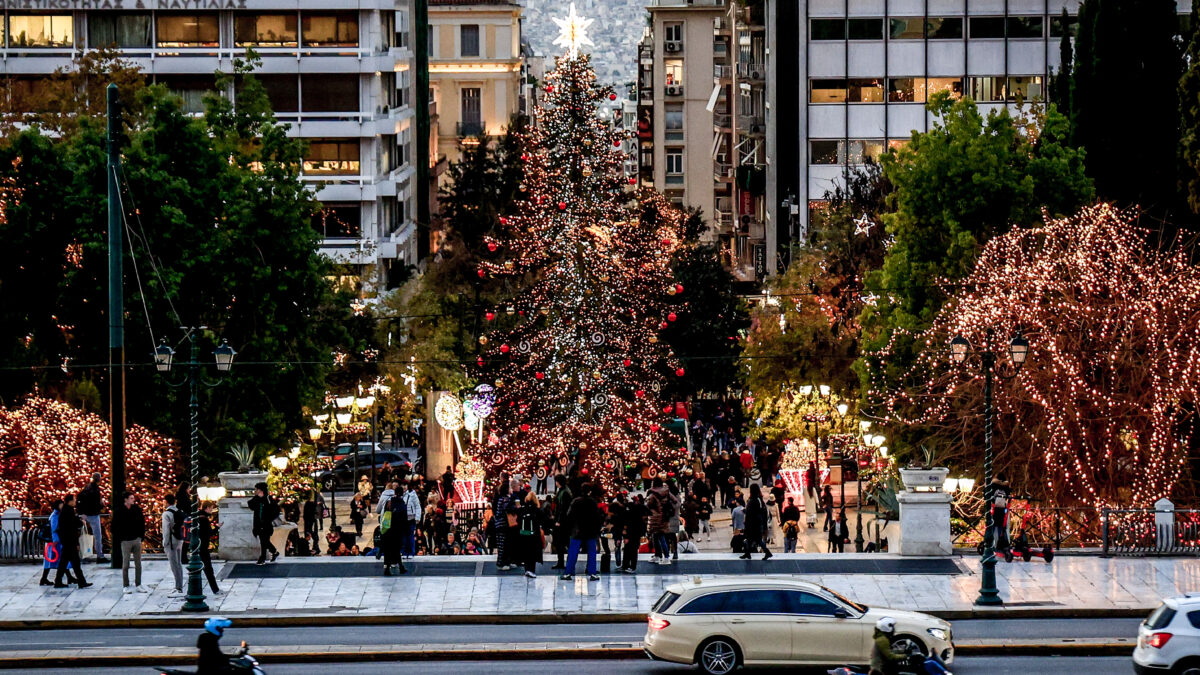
x=924 y=524
x=237 y=522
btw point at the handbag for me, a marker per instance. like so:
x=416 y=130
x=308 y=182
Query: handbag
x=511 y=518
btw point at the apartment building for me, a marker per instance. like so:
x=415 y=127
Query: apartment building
x=476 y=70
x=338 y=72
x=675 y=133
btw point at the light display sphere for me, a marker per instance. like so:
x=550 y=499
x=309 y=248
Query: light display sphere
x=484 y=401
x=449 y=412
x=470 y=420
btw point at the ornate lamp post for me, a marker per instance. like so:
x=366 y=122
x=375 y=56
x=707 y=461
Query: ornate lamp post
x=1018 y=349
x=164 y=359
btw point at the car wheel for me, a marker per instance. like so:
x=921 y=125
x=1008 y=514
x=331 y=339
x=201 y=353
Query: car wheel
x=903 y=644
x=1189 y=667
x=718 y=656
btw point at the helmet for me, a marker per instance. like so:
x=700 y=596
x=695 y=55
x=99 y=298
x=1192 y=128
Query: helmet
x=217 y=625
x=886 y=625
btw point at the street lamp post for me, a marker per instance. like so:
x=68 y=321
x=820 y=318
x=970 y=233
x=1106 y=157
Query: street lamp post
x=164 y=357
x=1018 y=349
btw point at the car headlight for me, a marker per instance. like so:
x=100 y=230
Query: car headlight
x=937 y=633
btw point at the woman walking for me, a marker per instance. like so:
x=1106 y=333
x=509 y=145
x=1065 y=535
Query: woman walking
x=54 y=548
x=358 y=512
x=530 y=537
x=756 y=523
x=502 y=510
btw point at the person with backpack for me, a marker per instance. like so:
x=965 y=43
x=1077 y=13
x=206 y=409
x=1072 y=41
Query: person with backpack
x=129 y=529
x=658 y=501
x=265 y=510
x=531 y=539
x=173 y=540
x=90 y=505
x=674 y=521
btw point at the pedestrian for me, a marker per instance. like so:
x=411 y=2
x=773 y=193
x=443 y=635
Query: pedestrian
x=997 y=533
x=791 y=534
x=837 y=534
x=791 y=511
x=448 y=483
x=68 y=544
x=658 y=501
x=90 y=505
x=502 y=510
x=183 y=496
x=756 y=523
x=172 y=541
x=674 y=522
x=738 y=519
x=772 y=510
x=636 y=516
x=412 y=517
x=690 y=511
x=585 y=520
x=747 y=464
x=616 y=522
x=205 y=526
x=531 y=539
x=827 y=506
x=309 y=514
x=811 y=482
x=704 y=513
x=685 y=545
x=395 y=528
x=562 y=533
x=358 y=512
x=129 y=529
x=265 y=510
x=53 y=549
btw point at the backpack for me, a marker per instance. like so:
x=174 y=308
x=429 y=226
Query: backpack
x=385 y=522
x=178 y=531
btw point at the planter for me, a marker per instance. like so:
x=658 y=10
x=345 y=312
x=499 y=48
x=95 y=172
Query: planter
x=237 y=482
x=924 y=480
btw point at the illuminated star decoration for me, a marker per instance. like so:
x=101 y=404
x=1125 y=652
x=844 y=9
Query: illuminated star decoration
x=573 y=32
x=863 y=225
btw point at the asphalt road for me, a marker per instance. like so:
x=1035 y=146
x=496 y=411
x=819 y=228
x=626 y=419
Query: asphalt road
x=607 y=632
x=1017 y=665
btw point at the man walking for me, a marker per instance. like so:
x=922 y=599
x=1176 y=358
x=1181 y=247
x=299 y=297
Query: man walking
x=204 y=530
x=658 y=501
x=68 y=537
x=90 y=505
x=585 y=521
x=562 y=503
x=172 y=539
x=265 y=510
x=412 y=512
x=129 y=529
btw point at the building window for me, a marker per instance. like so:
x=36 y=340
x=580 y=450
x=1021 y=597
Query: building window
x=673 y=72
x=864 y=29
x=283 y=91
x=338 y=221
x=827 y=91
x=469 y=34
x=674 y=164
x=828 y=29
x=188 y=30
x=1057 y=26
x=1025 y=88
x=329 y=92
x=864 y=90
x=402 y=29
x=954 y=85
x=41 y=30
x=190 y=89
x=906 y=89
x=332 y=157
x=673 y=121
x=895 y=144
x=987 y=89
x=338 y=29
x=265 y=30
x=906 y=28
x=673 y=32
x=1025 y=27
x=986 y=27
x=944 y=28
x=403 y=88
x=122 y=30
x=864 y=151
x=826 y=152
x=471 y=119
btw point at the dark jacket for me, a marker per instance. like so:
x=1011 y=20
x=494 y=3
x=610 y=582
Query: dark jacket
x=204 y=529
x=265 y=510
x=68 y=525
x=584 y=518
x=756 y=516
x=616 y=517
x=211 y=659
x=791 y=513
x=635 y=520
x=127 y=523
x=529 y=546
x=655 y=499
x=90 y=502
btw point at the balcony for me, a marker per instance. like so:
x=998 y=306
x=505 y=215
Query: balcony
x=751 y=124
x=673 y=90
x=723 y=74
x=722 y=173
x=467 y=129
x=723 y=122
x=723 y=214
x=721 y=26
x=752 y=71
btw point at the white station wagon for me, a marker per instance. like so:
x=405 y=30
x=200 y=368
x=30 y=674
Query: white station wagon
x=720 y=624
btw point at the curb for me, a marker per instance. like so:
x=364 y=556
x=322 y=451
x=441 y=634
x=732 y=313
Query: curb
x=621 y=651
x=259 y=620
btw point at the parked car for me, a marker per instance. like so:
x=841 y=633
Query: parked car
x=344 y=450
x=343 y=474
x=1169 y=639
x=721 y=624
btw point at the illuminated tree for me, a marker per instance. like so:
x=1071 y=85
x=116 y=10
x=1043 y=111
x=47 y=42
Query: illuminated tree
x=1103 y=411
x=582 y=368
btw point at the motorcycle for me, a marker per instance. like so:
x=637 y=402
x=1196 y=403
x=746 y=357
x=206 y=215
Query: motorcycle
x=915 y=663
x=242 y=663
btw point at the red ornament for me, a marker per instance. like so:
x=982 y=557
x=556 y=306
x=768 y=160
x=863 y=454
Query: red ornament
x=612 y=97
x=492 y=246
x=679 y=372
x=670 y=474
x=662 y=326
x=678 y=288
x=617 y=143
x=490 y=316
x=666 y=242
x=629 y=420
x=539 y=375
x=609 y=464
x=667 y=409
x=626 y=363
x=583 y=471
x=503 y=220
x=640 y=393
x=481 y=274
x=479 y=361
x=549 y=87
x=524 y=156
x=632 y=180
x=524 y=427
x=653 y=427
x=503 y=349
x=562 y=206
x=672 y=316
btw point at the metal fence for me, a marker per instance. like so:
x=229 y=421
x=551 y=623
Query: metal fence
x=1147 y=532
x=1060 y=527
x=19 y=540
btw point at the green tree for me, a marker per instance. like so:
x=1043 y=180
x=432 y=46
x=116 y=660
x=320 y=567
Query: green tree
x=966 y=180
x=1060 y=82
x=1189 y=110
x=1128 y=41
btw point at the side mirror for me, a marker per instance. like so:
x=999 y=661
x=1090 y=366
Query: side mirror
x=841 y=614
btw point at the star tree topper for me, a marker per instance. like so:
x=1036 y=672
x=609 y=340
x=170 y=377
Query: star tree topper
x=573 y=32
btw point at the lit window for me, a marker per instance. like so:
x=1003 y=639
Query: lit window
x=673 y=72
x=332 y=157
x=906 y=28
x=953 y=85
x=338 y=29
x=188 y=30
x=41 y=30
x=864 y=90
x=827 y=91
x=826 y=152
x=265 y=30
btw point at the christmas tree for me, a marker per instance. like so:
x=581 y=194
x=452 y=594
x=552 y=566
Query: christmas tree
x=580 y=369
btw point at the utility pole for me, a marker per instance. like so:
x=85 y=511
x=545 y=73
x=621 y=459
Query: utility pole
x=421 y=49
x=116 y=313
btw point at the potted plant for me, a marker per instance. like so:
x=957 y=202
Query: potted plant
x=924 y=476
x=243 y=480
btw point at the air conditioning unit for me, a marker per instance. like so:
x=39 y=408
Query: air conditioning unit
x=673 y=46
x=756 y=73
x=757 y=129
x=674 y=90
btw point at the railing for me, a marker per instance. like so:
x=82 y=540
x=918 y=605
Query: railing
x=722 y=170
x=1062 y=527
x=19 y=541
x=1145 y=532
x=752 y=71
x=722 y=72
x=720 y=49
x=749 y=122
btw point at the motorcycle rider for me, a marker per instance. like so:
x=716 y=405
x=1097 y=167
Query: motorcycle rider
x=884 y=661
x=211 y=658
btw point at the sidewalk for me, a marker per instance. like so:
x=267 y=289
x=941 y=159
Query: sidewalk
x=1071 y=586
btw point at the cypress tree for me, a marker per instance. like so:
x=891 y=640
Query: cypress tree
x=1060 y=82
x=1189 y=111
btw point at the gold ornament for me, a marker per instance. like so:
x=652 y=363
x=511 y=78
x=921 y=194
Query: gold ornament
x=511 y=310
x=670 y=290
x=587 y=171
x=653 y=339
x=597 y=374
x=483 y=339
x=508 y=264
x=499 y=382
x=583 y=445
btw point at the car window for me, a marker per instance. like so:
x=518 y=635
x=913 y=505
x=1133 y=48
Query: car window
x=758 y=602
x=807 y=603
x=706 y=604
x=665 y=601
x=1194 y=619
x=1160 y=618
